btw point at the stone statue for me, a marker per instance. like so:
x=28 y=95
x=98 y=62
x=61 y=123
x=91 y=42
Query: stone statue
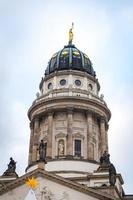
x=12 y=165
x=112 y=175
x=42 y=150
x=61 y=148
x=11 y=168
x=105 y=159
x=71 y=34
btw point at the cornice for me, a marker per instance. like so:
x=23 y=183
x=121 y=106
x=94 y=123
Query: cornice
x=109 y=188
x=60 y=135
x=84 y=104
x=73 y=159
x=76 y=90
x=93 y=176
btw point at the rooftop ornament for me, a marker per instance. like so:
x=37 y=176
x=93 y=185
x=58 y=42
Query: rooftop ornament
x=11 y=169
x=71 y=34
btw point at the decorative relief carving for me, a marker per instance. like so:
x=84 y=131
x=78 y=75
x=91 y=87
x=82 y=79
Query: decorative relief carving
x=45 y=138
x=78 y=120
x=78 y=129
x=79 y=124
x=47 y=194
x=94 y=140
x=36 y=137
x=45 y=132
x=60 y=116
x=78 y=135
x=60 y=135
x=61 y=128
x=92 y=150
x=44 y=135
x=79 y=117
x=61 y=123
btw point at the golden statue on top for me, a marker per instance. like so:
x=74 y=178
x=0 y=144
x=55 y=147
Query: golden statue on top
x=71 y=34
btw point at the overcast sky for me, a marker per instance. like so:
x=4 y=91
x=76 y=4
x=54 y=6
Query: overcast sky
x=31 y=31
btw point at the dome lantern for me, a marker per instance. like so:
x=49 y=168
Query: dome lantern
x=70 y=58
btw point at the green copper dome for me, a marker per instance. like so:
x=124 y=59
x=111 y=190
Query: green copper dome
x=70 y=58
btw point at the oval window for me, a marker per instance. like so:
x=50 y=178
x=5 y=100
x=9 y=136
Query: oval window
x=62 y=82
x=50 y=86
x=90 y=87
x=78 y=82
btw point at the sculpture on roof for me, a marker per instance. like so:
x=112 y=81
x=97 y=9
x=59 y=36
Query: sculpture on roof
x=42 y=151
x=11 y=168
x=12 y=165
x=71 y=34
x=105 y=159
x=112 y=175
x=105 y=164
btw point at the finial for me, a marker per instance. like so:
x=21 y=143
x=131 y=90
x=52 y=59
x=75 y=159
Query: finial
x=71 y=34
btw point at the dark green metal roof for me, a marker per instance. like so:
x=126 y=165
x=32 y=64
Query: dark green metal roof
x=70 y=58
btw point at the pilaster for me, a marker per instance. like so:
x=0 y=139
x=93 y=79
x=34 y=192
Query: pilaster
x=106 y=129
x=35 y=139
x=69 y=132
x=50 y=134
x=103 y=135
x=31 y=143
x=89 y=136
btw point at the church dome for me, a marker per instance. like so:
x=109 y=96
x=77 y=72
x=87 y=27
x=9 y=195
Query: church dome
x=70 y=58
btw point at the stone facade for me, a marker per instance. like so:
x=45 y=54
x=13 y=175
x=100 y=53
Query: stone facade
x=64 y=113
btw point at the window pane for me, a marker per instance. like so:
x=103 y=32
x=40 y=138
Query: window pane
x=77 y=147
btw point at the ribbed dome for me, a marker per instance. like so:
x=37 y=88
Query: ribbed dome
x=70 y=58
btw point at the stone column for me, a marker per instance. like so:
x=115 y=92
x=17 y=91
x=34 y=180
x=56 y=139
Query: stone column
x=35 y=139
x=89 y=136
x=69 y=132
x=31 y=143
x=50 y=134
x=103 y=135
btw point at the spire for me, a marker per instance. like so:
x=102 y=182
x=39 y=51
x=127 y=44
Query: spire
x=71 y=34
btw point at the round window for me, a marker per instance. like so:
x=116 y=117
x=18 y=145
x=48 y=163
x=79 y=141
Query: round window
x=50 y=86
x=62 y=82
x=78 y=82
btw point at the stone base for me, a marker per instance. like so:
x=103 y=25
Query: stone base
x=36 y=165
x=8 y=173
x=103 y=168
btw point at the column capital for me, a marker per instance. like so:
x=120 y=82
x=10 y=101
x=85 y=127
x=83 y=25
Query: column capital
x=102 y=119
x=88 y=113
x=106 y=126
x=70 y=110
x=36 y=118
x=50 y=113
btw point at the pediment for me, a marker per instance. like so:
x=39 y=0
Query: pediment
x=52 y=184
x=78 y=135
x=60 y=135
